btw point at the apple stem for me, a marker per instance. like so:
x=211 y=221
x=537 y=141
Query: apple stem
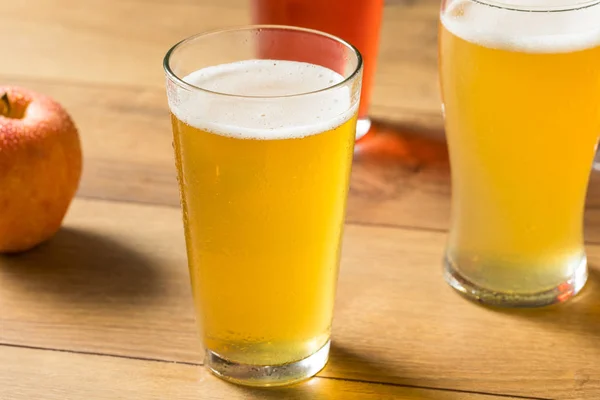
x=6 y=109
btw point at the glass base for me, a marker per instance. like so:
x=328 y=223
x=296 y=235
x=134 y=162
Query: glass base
x=362 y=127
x=560 y=293
x=267 y=375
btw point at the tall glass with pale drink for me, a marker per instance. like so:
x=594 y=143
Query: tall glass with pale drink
x=521 y=91
x=263 y=149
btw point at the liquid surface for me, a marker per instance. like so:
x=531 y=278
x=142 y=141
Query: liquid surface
x=541 y=32
x=272 y=116
x=356 y=21
x=521 y=97
x=264 y=205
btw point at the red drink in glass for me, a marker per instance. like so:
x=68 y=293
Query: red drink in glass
x=356 y=21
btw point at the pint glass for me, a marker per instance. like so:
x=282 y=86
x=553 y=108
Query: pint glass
x=521 y=92
x=263 y=149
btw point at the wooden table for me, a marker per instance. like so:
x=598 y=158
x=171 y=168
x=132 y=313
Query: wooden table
x=103 y=311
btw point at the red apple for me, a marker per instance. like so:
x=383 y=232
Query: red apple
x=40 y=167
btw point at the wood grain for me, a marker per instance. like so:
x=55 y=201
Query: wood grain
x=106 y=42
x=114 y=89
x=27 y=374
x=114 y=281
x=97 y=41
x=126 y=138
x=400 y=176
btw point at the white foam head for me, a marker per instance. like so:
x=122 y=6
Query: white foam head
x=526 y=31
x=272 y=107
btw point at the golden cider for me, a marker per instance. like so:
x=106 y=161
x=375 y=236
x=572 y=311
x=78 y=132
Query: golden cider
x=263 y=222
x=522 y=124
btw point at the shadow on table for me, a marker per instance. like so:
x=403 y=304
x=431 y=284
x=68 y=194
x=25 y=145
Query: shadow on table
x=346 y=361
x=327 y=388
x=310 y=389
x=83 y=267
x=579 y=314
x=410 y=146
x=395 y=161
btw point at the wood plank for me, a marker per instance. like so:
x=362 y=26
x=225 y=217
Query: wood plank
x=406 y=76
x=400 y=177
x=114 y=281
x=97 y=41
x=27 y=374
x=126 y=138
x=110 y=273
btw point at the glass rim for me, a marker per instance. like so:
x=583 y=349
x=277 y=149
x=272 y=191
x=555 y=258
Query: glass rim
x=173 y=77
x=573 y=6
